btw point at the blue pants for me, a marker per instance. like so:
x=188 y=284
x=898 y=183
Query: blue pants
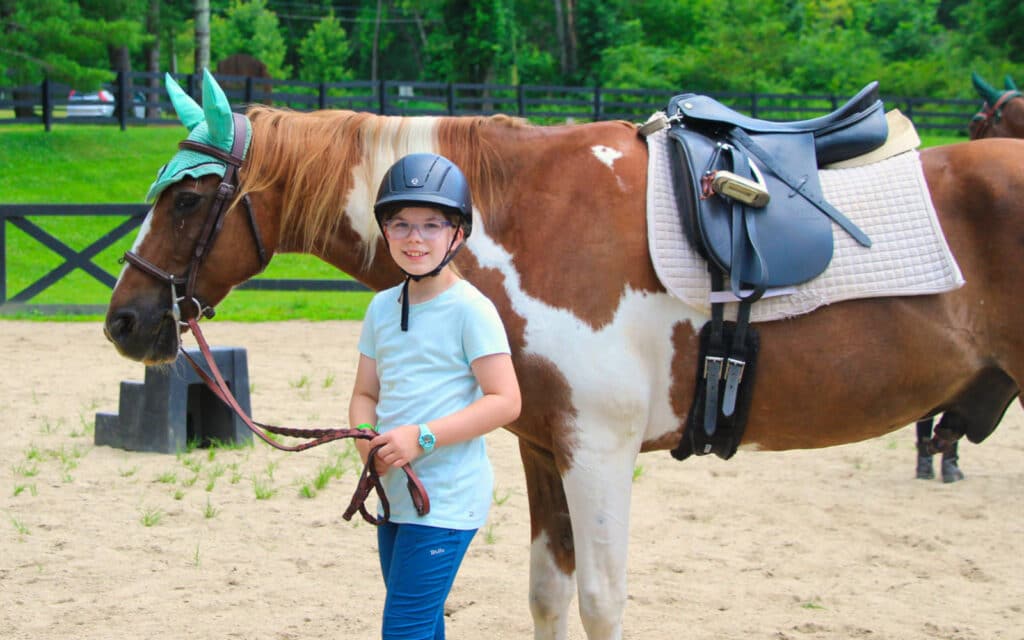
x=419 y=565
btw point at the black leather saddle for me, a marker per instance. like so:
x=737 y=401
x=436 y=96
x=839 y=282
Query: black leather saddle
x=752 y=205
x=749 y=191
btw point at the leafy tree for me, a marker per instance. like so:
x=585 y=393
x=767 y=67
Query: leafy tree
x=596 y=30
x=249 y=27
x=55 y=39
x=324 y=51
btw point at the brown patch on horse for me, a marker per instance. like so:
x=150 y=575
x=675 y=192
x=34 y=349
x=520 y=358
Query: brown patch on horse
x=551 y=409
x=588 y=207
x=549 y=510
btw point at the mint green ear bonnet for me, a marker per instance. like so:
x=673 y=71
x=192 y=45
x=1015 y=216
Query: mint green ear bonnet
x=211 y=124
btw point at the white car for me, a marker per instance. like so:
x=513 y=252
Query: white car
x=100 y=104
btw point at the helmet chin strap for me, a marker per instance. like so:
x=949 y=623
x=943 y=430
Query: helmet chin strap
x=449 y=256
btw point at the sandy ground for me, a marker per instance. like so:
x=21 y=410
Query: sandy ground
x=97 y=542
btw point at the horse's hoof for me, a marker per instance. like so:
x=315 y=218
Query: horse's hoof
x=951 y=472
x=924 y=468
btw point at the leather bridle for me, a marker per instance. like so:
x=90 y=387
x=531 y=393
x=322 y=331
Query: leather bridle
x=982 y=120
x=369 y=480
x=211 y=227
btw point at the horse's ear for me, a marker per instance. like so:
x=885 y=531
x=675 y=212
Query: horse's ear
x=987 y=93
x=1008 y=83
x=218 y=112
x=188 y=111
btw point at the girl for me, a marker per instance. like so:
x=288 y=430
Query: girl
x=435 y=374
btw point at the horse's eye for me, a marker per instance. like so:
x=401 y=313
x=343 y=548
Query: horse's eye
x=185 y=201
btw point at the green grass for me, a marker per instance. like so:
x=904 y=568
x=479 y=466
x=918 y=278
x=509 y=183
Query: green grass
x=102 y=164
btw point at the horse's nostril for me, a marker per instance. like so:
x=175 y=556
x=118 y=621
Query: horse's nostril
x=122 y=324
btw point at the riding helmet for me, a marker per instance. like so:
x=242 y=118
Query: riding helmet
x=425 y=179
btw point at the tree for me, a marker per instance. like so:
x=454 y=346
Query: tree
x=203 y=35
x=250 y=27
x=324 y=52
x=55 y=39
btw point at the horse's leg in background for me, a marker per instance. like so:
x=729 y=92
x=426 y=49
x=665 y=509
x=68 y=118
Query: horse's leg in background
x=599 y=487
x=552 y=562
x=925 y=470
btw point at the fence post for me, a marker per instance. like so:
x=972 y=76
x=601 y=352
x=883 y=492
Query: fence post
x=3 y=258
x=322 y=96
x=123 y=100
x=248 y=90
x=47 y=101
x=521 y=100
x=753 y=105
x=451 y=99
x=597 y=103
x=382 y=98
x=190 y=86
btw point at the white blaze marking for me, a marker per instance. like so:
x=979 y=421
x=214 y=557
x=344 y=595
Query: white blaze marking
x=143 y=232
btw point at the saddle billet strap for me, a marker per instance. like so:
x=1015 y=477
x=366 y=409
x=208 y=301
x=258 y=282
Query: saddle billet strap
x=744 y=141
x=736 y=363
x=219 y=387
x=714 y=360
x=744 y=234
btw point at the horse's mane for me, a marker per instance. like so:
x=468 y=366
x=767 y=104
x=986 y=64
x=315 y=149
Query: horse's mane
x=328 y=162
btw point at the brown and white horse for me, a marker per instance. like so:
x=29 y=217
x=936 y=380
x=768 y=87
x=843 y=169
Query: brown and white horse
x=1001 y=115
x=605 y=356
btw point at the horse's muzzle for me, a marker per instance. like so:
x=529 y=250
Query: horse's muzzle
x=148 y=337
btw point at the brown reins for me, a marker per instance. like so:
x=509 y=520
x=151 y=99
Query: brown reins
x=982 y=120
x=369 y=479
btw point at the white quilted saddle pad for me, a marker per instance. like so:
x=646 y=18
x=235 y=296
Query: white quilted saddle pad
x=888 y=200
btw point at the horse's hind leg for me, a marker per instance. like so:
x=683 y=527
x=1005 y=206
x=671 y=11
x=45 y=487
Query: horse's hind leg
x=551 y=553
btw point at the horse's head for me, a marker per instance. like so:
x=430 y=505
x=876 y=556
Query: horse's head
x=198 y=241
x=1002 y=114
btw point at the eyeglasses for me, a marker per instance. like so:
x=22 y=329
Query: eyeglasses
x=400 y=229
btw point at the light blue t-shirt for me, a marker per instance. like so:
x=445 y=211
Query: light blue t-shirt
x=424 y=375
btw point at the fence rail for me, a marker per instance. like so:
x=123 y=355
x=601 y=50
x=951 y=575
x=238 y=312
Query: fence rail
x=47 y=103
x=18 y=215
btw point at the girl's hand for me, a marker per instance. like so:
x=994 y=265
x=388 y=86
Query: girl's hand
x=399 y=447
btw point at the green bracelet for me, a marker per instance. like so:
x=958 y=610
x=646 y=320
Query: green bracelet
x=367 y=425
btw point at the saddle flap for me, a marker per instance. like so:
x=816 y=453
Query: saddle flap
x=786 y=242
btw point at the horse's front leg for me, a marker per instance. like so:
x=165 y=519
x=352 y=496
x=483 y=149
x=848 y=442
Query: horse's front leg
x=551 y=551
x=598 y=487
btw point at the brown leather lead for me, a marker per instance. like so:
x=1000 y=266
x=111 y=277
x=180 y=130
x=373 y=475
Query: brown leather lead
x=369 y=480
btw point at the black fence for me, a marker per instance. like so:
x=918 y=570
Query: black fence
x=19 y=216
x=50 y=102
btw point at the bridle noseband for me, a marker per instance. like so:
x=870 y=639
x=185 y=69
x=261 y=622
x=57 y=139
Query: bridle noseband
x=211 y=228
x=983 y=120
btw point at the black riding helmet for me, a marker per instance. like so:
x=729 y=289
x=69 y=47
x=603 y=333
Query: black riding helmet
x=425 y=179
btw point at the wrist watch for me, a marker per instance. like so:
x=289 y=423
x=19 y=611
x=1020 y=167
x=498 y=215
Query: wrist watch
x=427 y=439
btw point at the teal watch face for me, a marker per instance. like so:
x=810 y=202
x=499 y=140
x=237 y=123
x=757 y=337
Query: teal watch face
x=427 y=438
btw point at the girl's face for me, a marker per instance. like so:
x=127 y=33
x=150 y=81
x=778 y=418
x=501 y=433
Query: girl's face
x=419 y=238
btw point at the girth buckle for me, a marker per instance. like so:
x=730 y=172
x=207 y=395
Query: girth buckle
x=713 y=364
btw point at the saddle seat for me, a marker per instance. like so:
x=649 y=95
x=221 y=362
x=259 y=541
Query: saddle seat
x=836 y=137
